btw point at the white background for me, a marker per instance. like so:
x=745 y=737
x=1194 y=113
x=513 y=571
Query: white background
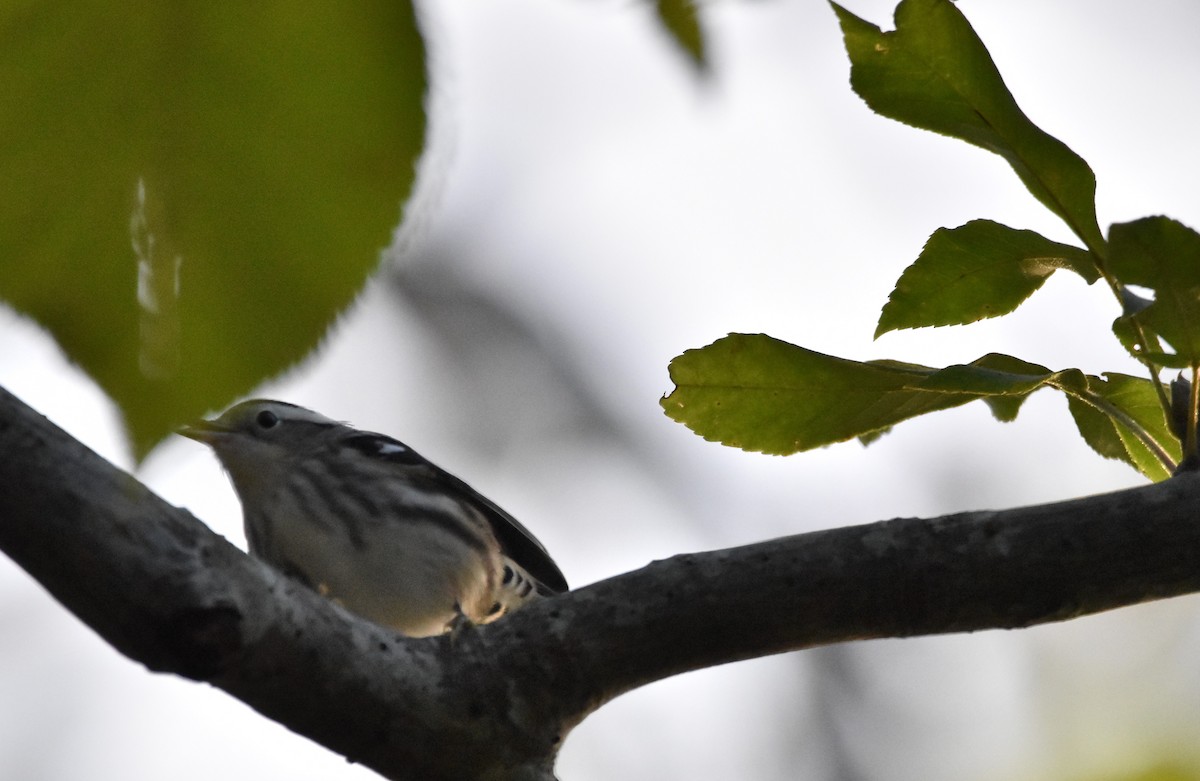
x=611 y=209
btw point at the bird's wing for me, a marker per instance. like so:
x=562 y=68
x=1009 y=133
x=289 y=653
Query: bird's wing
x=517 y=542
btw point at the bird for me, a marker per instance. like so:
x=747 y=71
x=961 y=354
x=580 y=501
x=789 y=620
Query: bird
x=363 y=519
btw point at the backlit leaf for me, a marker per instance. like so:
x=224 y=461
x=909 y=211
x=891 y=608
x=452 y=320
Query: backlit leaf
x=934 y=73
x=978 y=270
x=1163 y=255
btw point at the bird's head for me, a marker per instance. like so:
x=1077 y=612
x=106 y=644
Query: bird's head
x=256 y=438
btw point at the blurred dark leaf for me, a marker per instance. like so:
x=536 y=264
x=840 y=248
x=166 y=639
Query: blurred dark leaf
x=681 y=20
x=1164 y=771
x=871 y=437
x=196 y=190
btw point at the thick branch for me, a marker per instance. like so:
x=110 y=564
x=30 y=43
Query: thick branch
x=164 y=590
x=898 y=578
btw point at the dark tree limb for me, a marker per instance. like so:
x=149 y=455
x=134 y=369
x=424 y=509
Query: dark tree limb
x=497 y=702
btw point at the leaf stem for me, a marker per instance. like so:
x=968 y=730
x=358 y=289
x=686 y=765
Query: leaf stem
x=1189 y=434
x=1139 y=334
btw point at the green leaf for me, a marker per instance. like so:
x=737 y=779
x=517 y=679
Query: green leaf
x=1140 y=342
x=1113 y=437
x=1003 y=381
x=996 y=374
x=871 y=437
x=758 y=393
x=1163 y=255
x=934 y=73
x=681 y=20
x=1105 y=411
x=975 y=271
x=1098 y=430
x=1004 y=408
x=1166 y=360
x=196 y=191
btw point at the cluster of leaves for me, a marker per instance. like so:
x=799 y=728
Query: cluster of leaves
x=933 y=72
x=202 y=194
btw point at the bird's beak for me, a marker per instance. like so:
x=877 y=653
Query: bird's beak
x=205 y=431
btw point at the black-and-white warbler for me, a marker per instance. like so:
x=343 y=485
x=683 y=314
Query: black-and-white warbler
x=365 y=520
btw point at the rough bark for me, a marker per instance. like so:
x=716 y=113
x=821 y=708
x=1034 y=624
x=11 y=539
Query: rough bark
x=496 y=701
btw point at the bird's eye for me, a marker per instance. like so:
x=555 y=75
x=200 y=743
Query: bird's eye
x=266 y=419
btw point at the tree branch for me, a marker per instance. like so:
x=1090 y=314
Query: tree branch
x=496 y=702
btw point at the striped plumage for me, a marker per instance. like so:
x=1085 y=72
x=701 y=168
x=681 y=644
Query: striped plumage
x=365 y=520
